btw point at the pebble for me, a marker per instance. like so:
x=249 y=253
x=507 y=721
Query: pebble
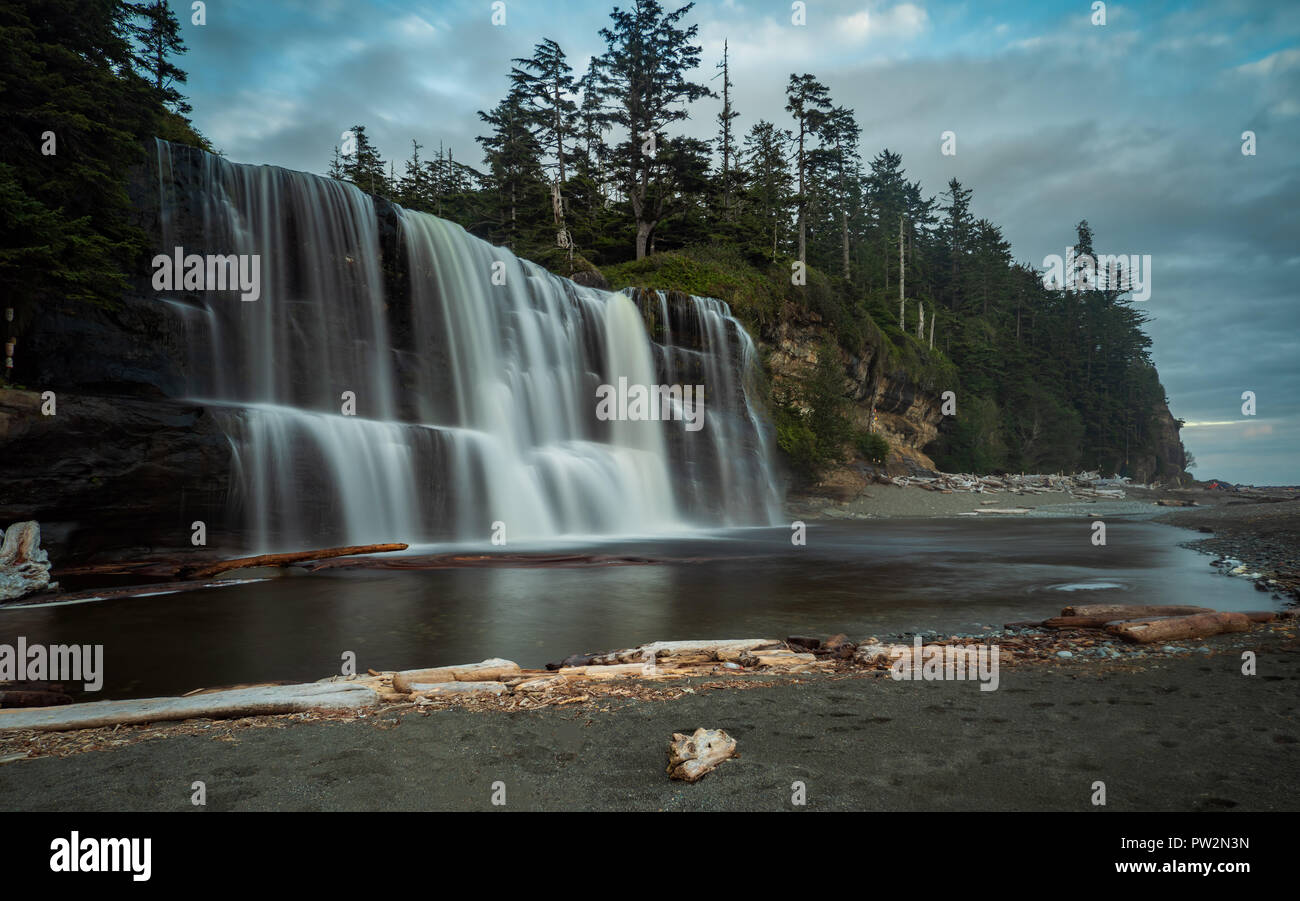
x=1064 y=654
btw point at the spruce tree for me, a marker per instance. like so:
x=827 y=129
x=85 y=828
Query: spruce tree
x=643 y=81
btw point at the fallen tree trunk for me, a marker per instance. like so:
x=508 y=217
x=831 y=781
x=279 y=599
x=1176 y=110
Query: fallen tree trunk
x=1119 y=614
x=491 y=670
x=212 y=569
x=260 y=701
x=1173 y=628
x=470 y=561
x=1131 y=611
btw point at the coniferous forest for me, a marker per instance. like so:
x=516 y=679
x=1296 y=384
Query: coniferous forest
x=589 y=174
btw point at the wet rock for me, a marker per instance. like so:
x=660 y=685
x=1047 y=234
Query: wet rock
x=573 y=660
x=142 y=471
x=591 y=278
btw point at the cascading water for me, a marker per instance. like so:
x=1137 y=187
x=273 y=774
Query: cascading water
x=473 y=375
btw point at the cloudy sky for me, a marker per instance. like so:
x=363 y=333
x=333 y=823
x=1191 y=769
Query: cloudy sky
x=1135 y=125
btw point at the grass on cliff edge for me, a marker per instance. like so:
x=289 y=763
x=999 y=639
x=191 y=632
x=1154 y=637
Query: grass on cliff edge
x=753 y=293
x=756 y=289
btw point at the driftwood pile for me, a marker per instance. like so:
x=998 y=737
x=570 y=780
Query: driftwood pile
x=1084 y=485
x=632 y=672
x=667 y=660
x=1150 y=624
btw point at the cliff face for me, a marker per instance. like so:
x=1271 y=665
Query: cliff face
x=909 y=415
x=906 y=414
x=1166 y=463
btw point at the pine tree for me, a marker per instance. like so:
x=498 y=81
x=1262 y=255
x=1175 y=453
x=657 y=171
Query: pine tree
x=643 y=80
x=769 y=180
x=364 y=167
x=726 y=141
x=515 y=176
x=840 y=132
x=957 y=230
x=66 y=226
x=807 y=100
x=158 y=35
x=544 y=84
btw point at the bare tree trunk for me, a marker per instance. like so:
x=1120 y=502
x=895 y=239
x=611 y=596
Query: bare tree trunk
x=902 y=312
x=642 y=238
x=844 y=230
x=803 y=234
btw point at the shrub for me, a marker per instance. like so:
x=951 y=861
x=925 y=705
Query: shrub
x=874 y=448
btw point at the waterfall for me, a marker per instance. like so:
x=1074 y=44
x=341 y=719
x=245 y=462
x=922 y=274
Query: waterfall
x=472 y=376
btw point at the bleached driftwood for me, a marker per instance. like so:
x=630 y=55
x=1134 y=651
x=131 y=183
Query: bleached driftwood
x=692 y=757
x=602 y=672
x=1173 y=628
x=869 y=654
x=24 y=566
x=458 y=688
x=541 y=683
x=491 y=670
x=776 y=657
x=717 y=649
x=258 y=701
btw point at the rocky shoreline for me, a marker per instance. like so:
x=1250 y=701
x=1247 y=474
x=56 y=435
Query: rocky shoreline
x=1260 y=534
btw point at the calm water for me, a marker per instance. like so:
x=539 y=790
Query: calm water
x=861 y=578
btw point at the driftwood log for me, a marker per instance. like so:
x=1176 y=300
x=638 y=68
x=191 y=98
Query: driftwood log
x=211 y=569
x=1132 y=611
x=259 y=701
x=458 y=688
x=1202 y=625
x=494 y=669
x=182 y=566
x=691 y=758
x=1099 y=615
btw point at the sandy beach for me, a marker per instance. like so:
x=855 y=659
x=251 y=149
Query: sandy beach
x=1171 y=728
x=1183 y=733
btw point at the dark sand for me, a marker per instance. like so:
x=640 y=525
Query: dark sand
x=1183 y=733
x=1170 y=732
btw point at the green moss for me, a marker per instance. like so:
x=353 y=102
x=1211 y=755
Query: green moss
x=706 y=271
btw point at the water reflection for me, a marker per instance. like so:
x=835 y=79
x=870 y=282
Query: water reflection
x=862 y=578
